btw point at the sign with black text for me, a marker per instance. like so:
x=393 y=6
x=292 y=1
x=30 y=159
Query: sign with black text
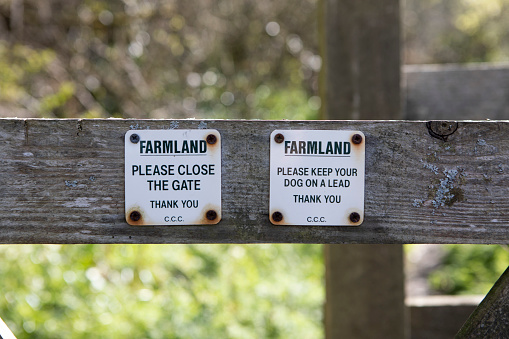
x=317 y=177
x=173 y=177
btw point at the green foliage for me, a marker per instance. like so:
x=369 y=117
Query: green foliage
x=253 y=59
x=54 y=101
x=469 y=269
x=19 y=65
x=274 y=104
x=456 y=31
x=162 y=291
x=160 y=59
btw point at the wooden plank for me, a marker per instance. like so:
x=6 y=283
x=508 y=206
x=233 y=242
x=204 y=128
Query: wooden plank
x=439 y=316
x=472 y=91
x=360 y=79
x=63 y=182
x=361 y=51
x=491 y=317
x=365 y=291
x=469 y=91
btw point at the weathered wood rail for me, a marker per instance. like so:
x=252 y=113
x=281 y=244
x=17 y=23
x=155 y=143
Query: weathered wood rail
x=491 y=318
x=63 y=182
x=472 y=91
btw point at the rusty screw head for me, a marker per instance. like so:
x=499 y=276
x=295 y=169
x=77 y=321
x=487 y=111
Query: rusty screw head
x=277 y=216
x=211 y=215
x=211 y=139
x=279 y=138
x=135 y=138
x=355 y=217
x=357 y=139
x=135 y=216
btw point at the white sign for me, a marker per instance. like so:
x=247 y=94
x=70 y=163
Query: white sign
x=173 y=177
x=317 y=177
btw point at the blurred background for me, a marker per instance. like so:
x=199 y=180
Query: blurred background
x=203 y=59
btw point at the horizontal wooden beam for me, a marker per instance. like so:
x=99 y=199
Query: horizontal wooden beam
x=471 y=91
x=62 y=181
x=439 y=316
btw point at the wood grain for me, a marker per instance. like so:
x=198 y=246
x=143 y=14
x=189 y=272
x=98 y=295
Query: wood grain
x=63 y=182
x=360 y=44
x=360 y=79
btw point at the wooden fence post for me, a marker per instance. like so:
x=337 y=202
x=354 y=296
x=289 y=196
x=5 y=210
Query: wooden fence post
x=491 y=318
x=360 y=43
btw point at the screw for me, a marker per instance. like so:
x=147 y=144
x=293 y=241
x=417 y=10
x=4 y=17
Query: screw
x=357 y=139
x=355 y=217
x=135 y=216
x=277 y=216
x=211 y=139
x=135 y=138
x=279 y=138
x=211 y=214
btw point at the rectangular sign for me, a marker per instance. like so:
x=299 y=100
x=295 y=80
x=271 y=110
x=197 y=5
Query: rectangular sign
x=173 y=177
x=317 y=177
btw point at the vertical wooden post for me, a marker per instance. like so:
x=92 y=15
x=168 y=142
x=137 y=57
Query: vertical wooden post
x=364 y=291
x=360 y=42
x=360 y=47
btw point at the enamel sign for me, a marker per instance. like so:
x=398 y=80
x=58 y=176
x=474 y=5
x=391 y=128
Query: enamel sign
x=317 y=177
x=172 y=177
